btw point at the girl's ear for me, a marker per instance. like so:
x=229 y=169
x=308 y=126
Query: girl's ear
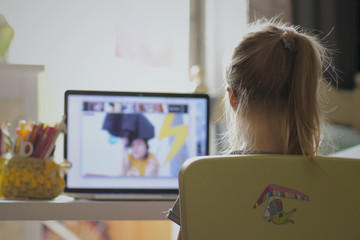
x=232 y=99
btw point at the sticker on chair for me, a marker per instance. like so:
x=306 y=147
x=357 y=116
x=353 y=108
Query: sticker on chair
x=275 y=209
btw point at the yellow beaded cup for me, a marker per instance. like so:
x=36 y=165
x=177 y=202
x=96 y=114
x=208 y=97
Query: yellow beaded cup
x=32 y=178
x=2 y=161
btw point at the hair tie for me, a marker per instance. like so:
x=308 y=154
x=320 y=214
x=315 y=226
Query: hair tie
x=288 y=38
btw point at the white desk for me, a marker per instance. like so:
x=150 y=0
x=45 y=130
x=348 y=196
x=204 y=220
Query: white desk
x=66 y=208
x=353 y=152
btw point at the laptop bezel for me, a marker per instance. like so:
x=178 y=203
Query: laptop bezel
x=126 y=93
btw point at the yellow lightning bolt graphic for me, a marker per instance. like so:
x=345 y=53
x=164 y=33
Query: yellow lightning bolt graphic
x=179 y=132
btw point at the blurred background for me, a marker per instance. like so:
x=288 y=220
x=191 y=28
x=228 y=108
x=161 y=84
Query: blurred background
x=153 y=45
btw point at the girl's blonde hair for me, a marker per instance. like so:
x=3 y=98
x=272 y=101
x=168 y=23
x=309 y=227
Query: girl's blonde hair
x=277 y=70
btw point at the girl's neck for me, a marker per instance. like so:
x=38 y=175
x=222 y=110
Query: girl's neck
x=267 y=135
x=268 y=142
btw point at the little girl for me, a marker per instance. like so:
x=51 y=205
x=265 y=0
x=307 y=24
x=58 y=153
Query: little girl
x=139 y=162
x=273 y=93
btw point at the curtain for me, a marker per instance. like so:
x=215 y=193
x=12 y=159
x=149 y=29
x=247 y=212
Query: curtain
x=338 y=24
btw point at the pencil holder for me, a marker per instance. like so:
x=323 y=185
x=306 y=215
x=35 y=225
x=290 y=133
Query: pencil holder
x=32 y=178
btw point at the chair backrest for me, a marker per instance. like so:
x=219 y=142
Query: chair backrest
x=270 y=197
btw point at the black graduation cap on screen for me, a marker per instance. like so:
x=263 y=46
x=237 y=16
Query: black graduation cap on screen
x=132 y=126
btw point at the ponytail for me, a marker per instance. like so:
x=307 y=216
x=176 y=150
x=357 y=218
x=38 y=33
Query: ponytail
x=304 y=118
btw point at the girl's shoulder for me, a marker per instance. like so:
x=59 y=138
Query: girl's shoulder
x=152 y=159
x=239 y=152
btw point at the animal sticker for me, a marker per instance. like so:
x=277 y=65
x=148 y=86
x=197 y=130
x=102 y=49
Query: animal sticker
x=275 y=211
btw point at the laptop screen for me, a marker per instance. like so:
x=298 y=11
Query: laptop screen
x=128 y=141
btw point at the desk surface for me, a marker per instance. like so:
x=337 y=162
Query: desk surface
x=352 y=152
x=67 y=208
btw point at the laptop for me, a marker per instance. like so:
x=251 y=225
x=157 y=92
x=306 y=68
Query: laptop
x=130 y=145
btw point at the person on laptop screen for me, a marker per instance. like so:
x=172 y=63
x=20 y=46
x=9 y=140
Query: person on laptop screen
x=139 y=162
x=273 y=93
x=135 y=131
